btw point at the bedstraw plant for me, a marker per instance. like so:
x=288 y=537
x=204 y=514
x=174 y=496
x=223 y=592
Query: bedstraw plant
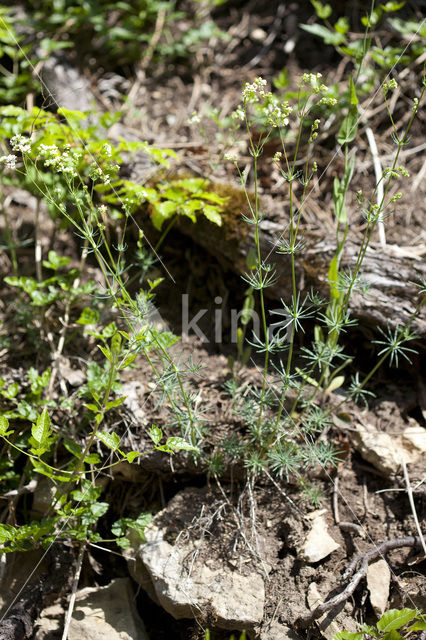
x=286 y=420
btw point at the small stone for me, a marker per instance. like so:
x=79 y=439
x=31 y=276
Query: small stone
x=258 y=34
x=385 y=451
x=318 y=544
x=378 y=583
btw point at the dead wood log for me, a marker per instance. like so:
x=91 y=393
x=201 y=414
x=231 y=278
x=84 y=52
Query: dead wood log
x=18 y=622
x=391 y=298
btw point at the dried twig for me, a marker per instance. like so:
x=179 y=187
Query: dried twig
x=74 y=590
x=379 y=182
x=360 y=561
x=411 y=501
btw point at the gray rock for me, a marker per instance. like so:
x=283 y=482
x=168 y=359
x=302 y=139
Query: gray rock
x=186 y=590
x=318 y=544
x=101 y=613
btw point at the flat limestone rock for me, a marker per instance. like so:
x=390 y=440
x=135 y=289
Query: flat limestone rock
x=333 y=621
x=378 y=584
x=385 y=451
x=277 y=631
x=319 y=543
x=187 y=589
x=100 y=613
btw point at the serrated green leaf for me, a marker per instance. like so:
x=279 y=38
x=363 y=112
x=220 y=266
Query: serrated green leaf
x=55 y=261
x=111 y=440
x=161 y=212
x=212 y=214
x=177 y=443
x=132 y=455
x=395 y=618
x=127 y=361
x=155 y=434
x=4 y=424
x=107 y=353
x=7 y=532
x=98 y=509
x=41 y=430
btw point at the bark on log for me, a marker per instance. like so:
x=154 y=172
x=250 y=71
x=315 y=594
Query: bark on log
x=18 y=622
x=391 y=298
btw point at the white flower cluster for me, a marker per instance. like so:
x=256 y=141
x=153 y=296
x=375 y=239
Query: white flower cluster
x=231 y=157
x=64 y=162
x=20 y=143
x=276 y=114
x=9 y=161
x=254 y=92
x=313 y=80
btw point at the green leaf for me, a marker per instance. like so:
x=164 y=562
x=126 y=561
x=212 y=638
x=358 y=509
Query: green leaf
x=92 y=458
x=333 y=277
x=155 y=434
x=417 y=626
x=396 y=618
x=347 y=635
x=115 y=403
x=41 y=430
x=111 y=440
x=88 y=316
x=163 y=211
x=336 y=383
x=99 y=508
x=328 y=36
x=392 y=635
x=7 y=532
x=177 y=443
x=4 y=423
x=352 y=91
x=392 y=6
x=132 y=455
x=29 y=285
x=107 y=353
x=72 y=447
x=323 y=11
x=212 y=214
x=123 y=543
x=127 y=361
x=342 y=25
x=349 y=127
x=55 y=261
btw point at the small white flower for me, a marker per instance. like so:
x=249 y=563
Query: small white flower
x=231 y=157
x=20 y=143
x=107 y=150
x=253 y=92
x=9 y=161
x=194 y=119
